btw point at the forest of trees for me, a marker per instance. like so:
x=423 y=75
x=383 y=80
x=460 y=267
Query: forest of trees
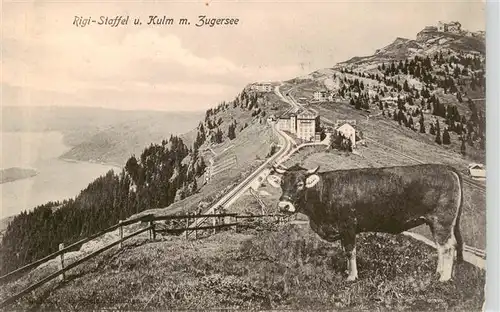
x=164 y=173
x=152 y=181
x=453 y=73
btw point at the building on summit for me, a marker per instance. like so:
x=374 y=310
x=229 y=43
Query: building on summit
x=452 y=27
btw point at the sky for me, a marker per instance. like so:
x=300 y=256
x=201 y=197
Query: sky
x=47 y=61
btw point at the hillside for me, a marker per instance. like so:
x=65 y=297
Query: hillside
x=267 y=267
x=414 y=101
x=13 y=174
x=426 y=43
x=432 y=86
x=167 y=177
x=98 y=134
x=436 y=81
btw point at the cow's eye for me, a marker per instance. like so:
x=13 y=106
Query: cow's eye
x=300 y=184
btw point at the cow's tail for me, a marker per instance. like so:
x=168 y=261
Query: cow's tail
x=456 y=227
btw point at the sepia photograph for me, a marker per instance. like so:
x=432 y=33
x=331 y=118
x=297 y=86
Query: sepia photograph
x=250 y=155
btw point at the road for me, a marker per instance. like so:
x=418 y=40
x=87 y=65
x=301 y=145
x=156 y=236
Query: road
x=472 y=255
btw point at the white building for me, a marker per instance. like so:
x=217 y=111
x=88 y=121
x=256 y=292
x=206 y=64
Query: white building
x=285 y=122
x=453 y=27
x=262 y=87
x=349 y=132
x=307 y=124
x=477 y=171
x=320 y=96
x=304 y=124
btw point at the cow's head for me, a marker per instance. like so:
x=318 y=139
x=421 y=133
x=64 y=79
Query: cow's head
x=293 y=183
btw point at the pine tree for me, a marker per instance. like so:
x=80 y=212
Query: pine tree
x=406 y=87
x=438 y=137
x=410 y=122
x=231 y=134
x=422 y=126
x=358 y=103
x=446 y=137
x=421 y=122
x=194 y=187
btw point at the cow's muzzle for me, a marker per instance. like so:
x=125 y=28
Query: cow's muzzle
x=286 y=207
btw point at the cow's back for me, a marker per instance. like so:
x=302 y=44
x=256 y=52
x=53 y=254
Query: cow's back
x=386 y=198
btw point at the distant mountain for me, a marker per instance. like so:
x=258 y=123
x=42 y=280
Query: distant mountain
x=427 y=42
x=429 y=87
x=13 y=174
x=99 y=134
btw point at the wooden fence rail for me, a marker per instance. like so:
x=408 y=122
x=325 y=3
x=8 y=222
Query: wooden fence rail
x=23 y=292
x=198 y=228
x=71 y=247
x=193 y=216
x=146 y=218
x=152 y=228
x=260 y=216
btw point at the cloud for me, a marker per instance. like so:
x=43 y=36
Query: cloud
x=143 y=61
x=49 y=61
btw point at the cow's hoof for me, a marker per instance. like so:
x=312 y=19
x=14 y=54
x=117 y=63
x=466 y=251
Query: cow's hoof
x=351 y=278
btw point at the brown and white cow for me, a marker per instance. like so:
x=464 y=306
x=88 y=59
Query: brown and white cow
x=342 y=203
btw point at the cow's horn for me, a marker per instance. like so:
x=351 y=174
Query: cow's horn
x=282 y=167
x=313 y=171
x=278 y=170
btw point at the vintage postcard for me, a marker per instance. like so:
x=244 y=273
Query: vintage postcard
x=250 y=155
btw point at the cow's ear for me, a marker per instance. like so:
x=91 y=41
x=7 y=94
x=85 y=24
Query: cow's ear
x=274 y=180
x=312 y=180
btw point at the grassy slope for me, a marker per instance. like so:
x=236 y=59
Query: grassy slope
x=288 y=268
x=250 y=146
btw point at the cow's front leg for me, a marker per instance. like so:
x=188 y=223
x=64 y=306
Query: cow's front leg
x=349 y=243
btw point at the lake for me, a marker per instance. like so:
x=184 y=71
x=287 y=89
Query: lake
x=56 y=180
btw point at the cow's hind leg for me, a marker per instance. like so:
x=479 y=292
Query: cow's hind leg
x=446 y=243
x=460 y=242
x=448 y=250
x=349 y=244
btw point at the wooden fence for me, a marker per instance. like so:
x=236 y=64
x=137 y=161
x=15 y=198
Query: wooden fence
x=218 y=222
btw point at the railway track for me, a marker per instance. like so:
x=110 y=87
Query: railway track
x=476 y=251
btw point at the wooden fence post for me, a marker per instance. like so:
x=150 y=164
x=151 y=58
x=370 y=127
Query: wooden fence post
x=196 y=225
x=120 y=229
x=187 y=226
x=152 y=231
x=61 y=262
x=214 y=223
